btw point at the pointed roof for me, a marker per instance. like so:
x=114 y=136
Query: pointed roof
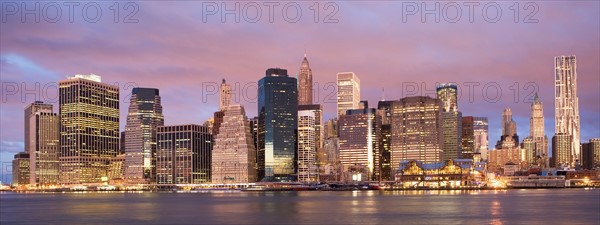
x=536 y=99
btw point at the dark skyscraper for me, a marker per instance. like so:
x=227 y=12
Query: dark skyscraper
x=145 y=115
x=278 y=122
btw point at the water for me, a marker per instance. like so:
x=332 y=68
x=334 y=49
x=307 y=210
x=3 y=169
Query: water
x=543 y=206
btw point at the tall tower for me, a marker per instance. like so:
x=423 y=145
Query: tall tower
x=143 y=118
x=277 y=124
x=41 y=143
x=566 y=101
x=447 y=93
x=509 y=138
x=451 y=121
x=348 y=94
x=234 y=155
x=307 y=147
x=89 y=128
x=225 y=95
x=305 y=84
x=536 y=132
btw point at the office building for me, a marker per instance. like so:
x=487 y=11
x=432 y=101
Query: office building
x=358 y=141
x=183 y=154
x=224 y=95
x=509 y=138
x=480 y=130
x=348 y=92
x=537 y=134
x=561 y=151
x=590 y=154
x=143 y=118
x=305 y=84
x=277 y=125
x=307 y=146
x=41 y=143
x=416 y=130
x=468 y=137
x=234 y=153
x=89 y=128
x=20 y=169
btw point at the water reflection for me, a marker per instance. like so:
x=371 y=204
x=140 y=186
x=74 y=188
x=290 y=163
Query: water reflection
x=318 y=207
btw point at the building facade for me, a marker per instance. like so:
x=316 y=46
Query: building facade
x=20 y=169
x=277 y=125
x=590 y=154
x=41 y=143
x=348 y=92
x=537 y=134
x=224 y=95
x=358 y=141
x=305 y=84
x=143 y=118
x=509 y=138
x=480 y=130
x=468 y=137
x=567 y=102
x=307 y=146
x=89 y=128
x=561 y=150
x=183 y=154
x=416 y=130
x=234 y=153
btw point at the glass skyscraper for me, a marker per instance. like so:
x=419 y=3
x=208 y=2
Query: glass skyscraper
x=144 y=116
x=277 y=124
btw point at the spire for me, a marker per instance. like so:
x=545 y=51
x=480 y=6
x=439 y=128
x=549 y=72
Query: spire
x=536 y=99
x=382 y=94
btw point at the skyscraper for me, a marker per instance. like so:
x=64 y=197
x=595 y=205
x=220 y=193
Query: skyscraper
x=89 y=128
x=358 y=144
x=20 y=169
x=348 y=92
x=224 y=96
x=561 y=150
x=143 y=118
x=451 y=121
x=305 y=84
x=509 y=138
x=536 y=133
x=41 y=143
x=183 y=154
x=590 y=154
x=468 y=137
x=416 y=130
x=307 y=146
x=234 y=155
x=384 y=111
x=317 y=110
x=566 y=101
x=480 y=130
x=447 y=94
x=277 y=124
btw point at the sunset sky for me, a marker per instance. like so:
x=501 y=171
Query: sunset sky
x=171 y=48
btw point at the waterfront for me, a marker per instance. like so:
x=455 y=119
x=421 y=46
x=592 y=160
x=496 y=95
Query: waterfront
x=530 y=206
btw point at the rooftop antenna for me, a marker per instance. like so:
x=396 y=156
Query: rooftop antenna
x=382 y=94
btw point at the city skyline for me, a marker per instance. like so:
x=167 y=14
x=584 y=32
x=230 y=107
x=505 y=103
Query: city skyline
x=20 y=63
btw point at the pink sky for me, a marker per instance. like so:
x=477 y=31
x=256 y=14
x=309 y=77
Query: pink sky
x=170 y=48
